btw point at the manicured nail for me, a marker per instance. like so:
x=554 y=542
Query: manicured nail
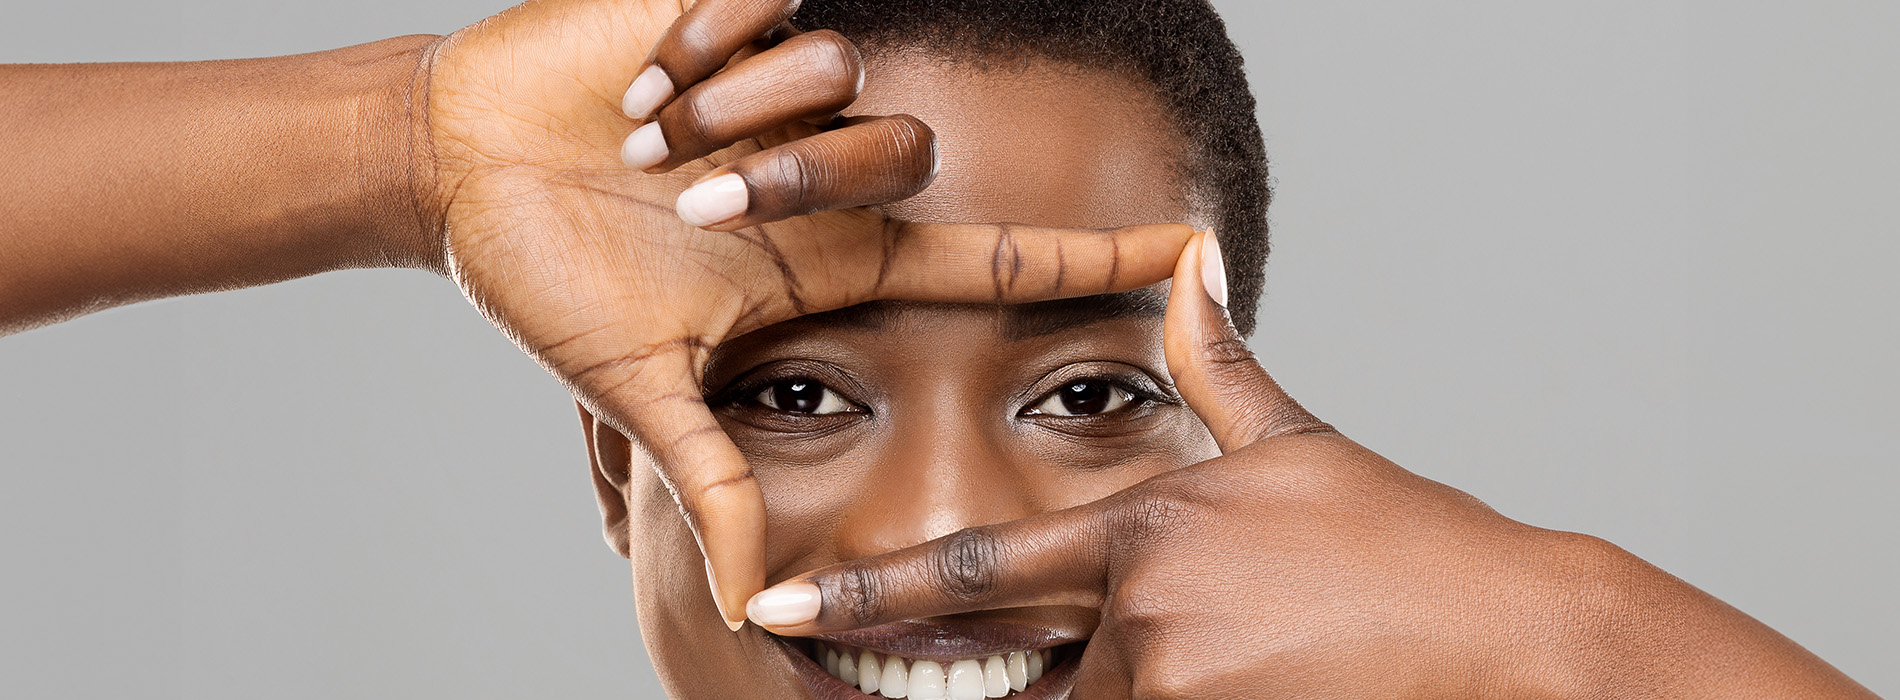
x=713 y=582
x=647 y=93
x=713 y=201
x=645 y=148
x=1213 y=271
x=784 y=605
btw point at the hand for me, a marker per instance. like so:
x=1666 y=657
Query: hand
x=1300 y=564
x=583 y=262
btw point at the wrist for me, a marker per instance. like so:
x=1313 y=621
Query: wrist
x=395 y=167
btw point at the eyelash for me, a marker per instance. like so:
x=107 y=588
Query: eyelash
x=1141 y=392
x=1138 y=398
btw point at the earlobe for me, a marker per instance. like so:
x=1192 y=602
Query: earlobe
x=609 y=456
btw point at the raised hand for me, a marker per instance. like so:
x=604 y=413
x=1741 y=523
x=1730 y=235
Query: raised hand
x=1299 y=564
x=584 y=262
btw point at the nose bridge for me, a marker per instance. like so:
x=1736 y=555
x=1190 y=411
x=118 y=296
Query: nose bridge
x=942 y=468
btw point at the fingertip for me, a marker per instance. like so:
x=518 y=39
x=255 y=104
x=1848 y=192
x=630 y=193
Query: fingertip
x=652 y=89
x=789 y=604
x=1213 y=269
x=645 y=147
x=716 y=200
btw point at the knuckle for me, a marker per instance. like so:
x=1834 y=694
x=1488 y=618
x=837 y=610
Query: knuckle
x=1227 y=350
x=966 y=565
x=790 y=177
x=691 y=53
x=688 y=124
x=1159 y=512
x=857 y=596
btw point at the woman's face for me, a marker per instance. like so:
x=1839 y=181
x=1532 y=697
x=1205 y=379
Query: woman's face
x=887 y=425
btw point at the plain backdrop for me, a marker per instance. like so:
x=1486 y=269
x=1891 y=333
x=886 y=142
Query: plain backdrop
x=1619 y=267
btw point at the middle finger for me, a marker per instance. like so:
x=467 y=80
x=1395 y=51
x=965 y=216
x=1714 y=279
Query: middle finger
x=808 y=76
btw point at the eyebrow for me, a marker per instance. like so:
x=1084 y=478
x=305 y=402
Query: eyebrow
x=1021 y=321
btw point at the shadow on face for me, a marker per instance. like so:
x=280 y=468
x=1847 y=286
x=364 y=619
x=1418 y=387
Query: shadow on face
x=890 y=424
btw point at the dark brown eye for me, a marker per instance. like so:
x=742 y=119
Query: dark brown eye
x=802 y=396
x=1086 y=397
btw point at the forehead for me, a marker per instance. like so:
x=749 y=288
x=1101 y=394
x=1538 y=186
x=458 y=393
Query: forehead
x=1032 y=141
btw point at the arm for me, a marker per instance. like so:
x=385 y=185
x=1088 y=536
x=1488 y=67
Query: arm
x=500 y=156
x=127 y=182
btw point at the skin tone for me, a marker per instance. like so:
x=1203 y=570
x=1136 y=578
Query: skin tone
x=492 y=156
x=1211 y=540
x=500 y=156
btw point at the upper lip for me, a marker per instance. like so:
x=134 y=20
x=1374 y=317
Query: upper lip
x=953 y=639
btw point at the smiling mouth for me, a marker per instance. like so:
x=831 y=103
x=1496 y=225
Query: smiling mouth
x=893 y=676
x=937 y=661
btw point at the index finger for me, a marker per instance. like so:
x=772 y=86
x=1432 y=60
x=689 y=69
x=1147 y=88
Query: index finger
x=1059 y=558
x=700 y=43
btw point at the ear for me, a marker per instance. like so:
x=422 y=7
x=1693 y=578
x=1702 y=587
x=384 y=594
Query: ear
x=610 y=455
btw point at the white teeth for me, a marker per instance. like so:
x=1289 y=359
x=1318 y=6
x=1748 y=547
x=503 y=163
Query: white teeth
x=966 y=680
x=869 y=672
x=848 y=669
x=995 y=679
x=927 y=681
x=1018 y=671
x=889 y=676
x=896 y=680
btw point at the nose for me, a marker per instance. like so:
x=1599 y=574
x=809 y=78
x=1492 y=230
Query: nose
x=939 y=469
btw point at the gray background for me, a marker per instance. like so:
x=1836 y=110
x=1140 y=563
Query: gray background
x=1618 y=267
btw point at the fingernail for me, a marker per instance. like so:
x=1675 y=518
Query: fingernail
x=784 y=605
x=645 y=148
x=1213 y=271
x=647 y=93
x=713 y=582
x=713 y=201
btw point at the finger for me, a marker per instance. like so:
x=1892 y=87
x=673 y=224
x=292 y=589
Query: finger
x=659 y=403
x=869 y=162
x=809 y=76
x=1210 y=363
x=1059 y=558
x=698 y=44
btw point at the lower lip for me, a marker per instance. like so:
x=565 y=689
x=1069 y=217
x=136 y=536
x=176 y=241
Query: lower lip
x=1055 y=683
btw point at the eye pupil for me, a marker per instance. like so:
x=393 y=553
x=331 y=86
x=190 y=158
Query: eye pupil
x=1085 y=398
x=798 y=397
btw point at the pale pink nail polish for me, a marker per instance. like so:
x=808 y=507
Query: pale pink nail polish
x=647 y=93
x=713 y=201
x=1213 y=270
x=785 y=605
x=645 y=148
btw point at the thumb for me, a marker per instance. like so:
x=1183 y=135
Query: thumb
x=660 y=405
x=1210 y=363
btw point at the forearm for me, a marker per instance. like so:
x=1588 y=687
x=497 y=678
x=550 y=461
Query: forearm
x=126 y=182
x=1630 y=629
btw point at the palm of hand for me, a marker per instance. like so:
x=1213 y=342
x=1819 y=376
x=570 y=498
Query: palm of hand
x=582 y=261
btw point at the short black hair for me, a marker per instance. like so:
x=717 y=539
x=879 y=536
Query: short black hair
x=1179 y=47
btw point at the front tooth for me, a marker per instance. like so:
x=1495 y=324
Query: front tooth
x=966 y=680
x=1018 y=671
x=831 y=660
x=847 y=668
x=896 y=680
x=869 y=672
x=995 y=679
x=926 y=680
x=1035 y=667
